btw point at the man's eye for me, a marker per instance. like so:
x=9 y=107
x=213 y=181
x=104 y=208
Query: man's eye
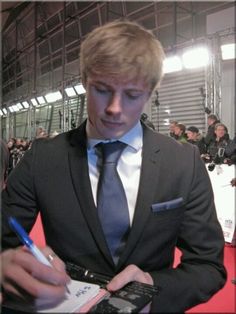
x=133 y=95
x=101 y=90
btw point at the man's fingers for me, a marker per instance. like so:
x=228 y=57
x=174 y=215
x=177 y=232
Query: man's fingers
x=38 y=270
x=22 y=269
x=53 y=259
x=17 y=276
x=130 y=273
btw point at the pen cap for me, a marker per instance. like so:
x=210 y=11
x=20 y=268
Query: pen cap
x=21 y=233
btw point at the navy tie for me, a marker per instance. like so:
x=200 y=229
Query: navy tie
x=111 y=200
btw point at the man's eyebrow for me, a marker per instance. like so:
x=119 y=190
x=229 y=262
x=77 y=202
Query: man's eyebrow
x=100 y=82
x=129 y=89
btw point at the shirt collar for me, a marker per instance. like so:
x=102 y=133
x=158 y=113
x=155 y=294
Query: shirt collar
x=133 y=138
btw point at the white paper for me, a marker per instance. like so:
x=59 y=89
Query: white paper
x=80 y=294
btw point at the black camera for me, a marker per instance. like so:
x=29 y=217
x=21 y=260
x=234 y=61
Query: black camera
x=217 y=159
x=211 y=166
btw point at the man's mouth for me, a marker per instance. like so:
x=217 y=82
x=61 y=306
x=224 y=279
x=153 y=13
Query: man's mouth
x=112 y=124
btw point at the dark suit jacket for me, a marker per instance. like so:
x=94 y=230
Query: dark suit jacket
x=53 y=178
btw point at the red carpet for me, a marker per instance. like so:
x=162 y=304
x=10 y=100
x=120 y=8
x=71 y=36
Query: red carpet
x=222 y=302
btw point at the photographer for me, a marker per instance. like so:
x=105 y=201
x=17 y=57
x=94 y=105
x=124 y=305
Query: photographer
x=216 y=149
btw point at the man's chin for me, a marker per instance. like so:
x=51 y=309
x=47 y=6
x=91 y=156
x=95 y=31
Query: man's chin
x=112 y=134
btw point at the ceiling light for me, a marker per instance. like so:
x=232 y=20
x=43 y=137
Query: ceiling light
x=195 y=58
x=228 y=51
x=172 y=64
x=80 y=89
x=19 y=105
x=34 y=102
x=70 y=91
x=15 y=108
x=52 y=97
x=11 y=109
x=25 y=104
x=4 y=110
x=1 y=113
x=41 y=100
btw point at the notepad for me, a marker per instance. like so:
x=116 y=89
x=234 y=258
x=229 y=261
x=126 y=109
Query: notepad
x=80 y=294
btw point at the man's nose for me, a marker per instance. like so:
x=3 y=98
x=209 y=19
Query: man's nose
x=115 y=104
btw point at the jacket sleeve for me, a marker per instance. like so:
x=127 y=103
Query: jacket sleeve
x=230 y=149
x=201 y=272
x=210 y=136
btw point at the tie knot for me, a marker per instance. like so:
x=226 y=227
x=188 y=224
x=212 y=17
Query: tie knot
x=111 y=151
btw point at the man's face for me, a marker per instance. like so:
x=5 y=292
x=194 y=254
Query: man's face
x=191 y=135
x=220 y=131
x=210 y=121
x=114 y=107
x=177 y=131
x=172 y=127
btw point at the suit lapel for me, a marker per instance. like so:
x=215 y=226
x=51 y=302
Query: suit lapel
x=148 y=182
x=80 y=177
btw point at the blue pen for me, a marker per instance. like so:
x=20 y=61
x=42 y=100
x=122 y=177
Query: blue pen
x=25 y=239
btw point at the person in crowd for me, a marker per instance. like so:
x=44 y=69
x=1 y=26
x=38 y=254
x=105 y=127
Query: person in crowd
x=230 y=151
x=172 y=128
x=4 y=163
x=194 y=137
x=17 y=149
x=41 y=132
x=11 y=144
x=144 y=119
x=24 y=144
x=131 y=234
x=216 y=150
x=180 y=134
x=212 y=120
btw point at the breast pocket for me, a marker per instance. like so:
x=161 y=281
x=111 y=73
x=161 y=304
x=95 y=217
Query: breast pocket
x=168 y=212
x=169 y=205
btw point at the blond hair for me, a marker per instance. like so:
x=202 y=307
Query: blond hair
x=122 y=50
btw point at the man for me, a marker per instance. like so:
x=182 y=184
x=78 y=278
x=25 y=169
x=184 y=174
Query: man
x=212 y=120
x=172 y=128
x=169 y=195
x=193 y=137
x=216 y=150
x=180 y=134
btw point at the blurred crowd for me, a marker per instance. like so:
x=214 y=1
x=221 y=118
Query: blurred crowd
x=14 y=149
x=215 y=147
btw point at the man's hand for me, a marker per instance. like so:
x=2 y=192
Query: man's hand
x=23 y=275
x=130 y=273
